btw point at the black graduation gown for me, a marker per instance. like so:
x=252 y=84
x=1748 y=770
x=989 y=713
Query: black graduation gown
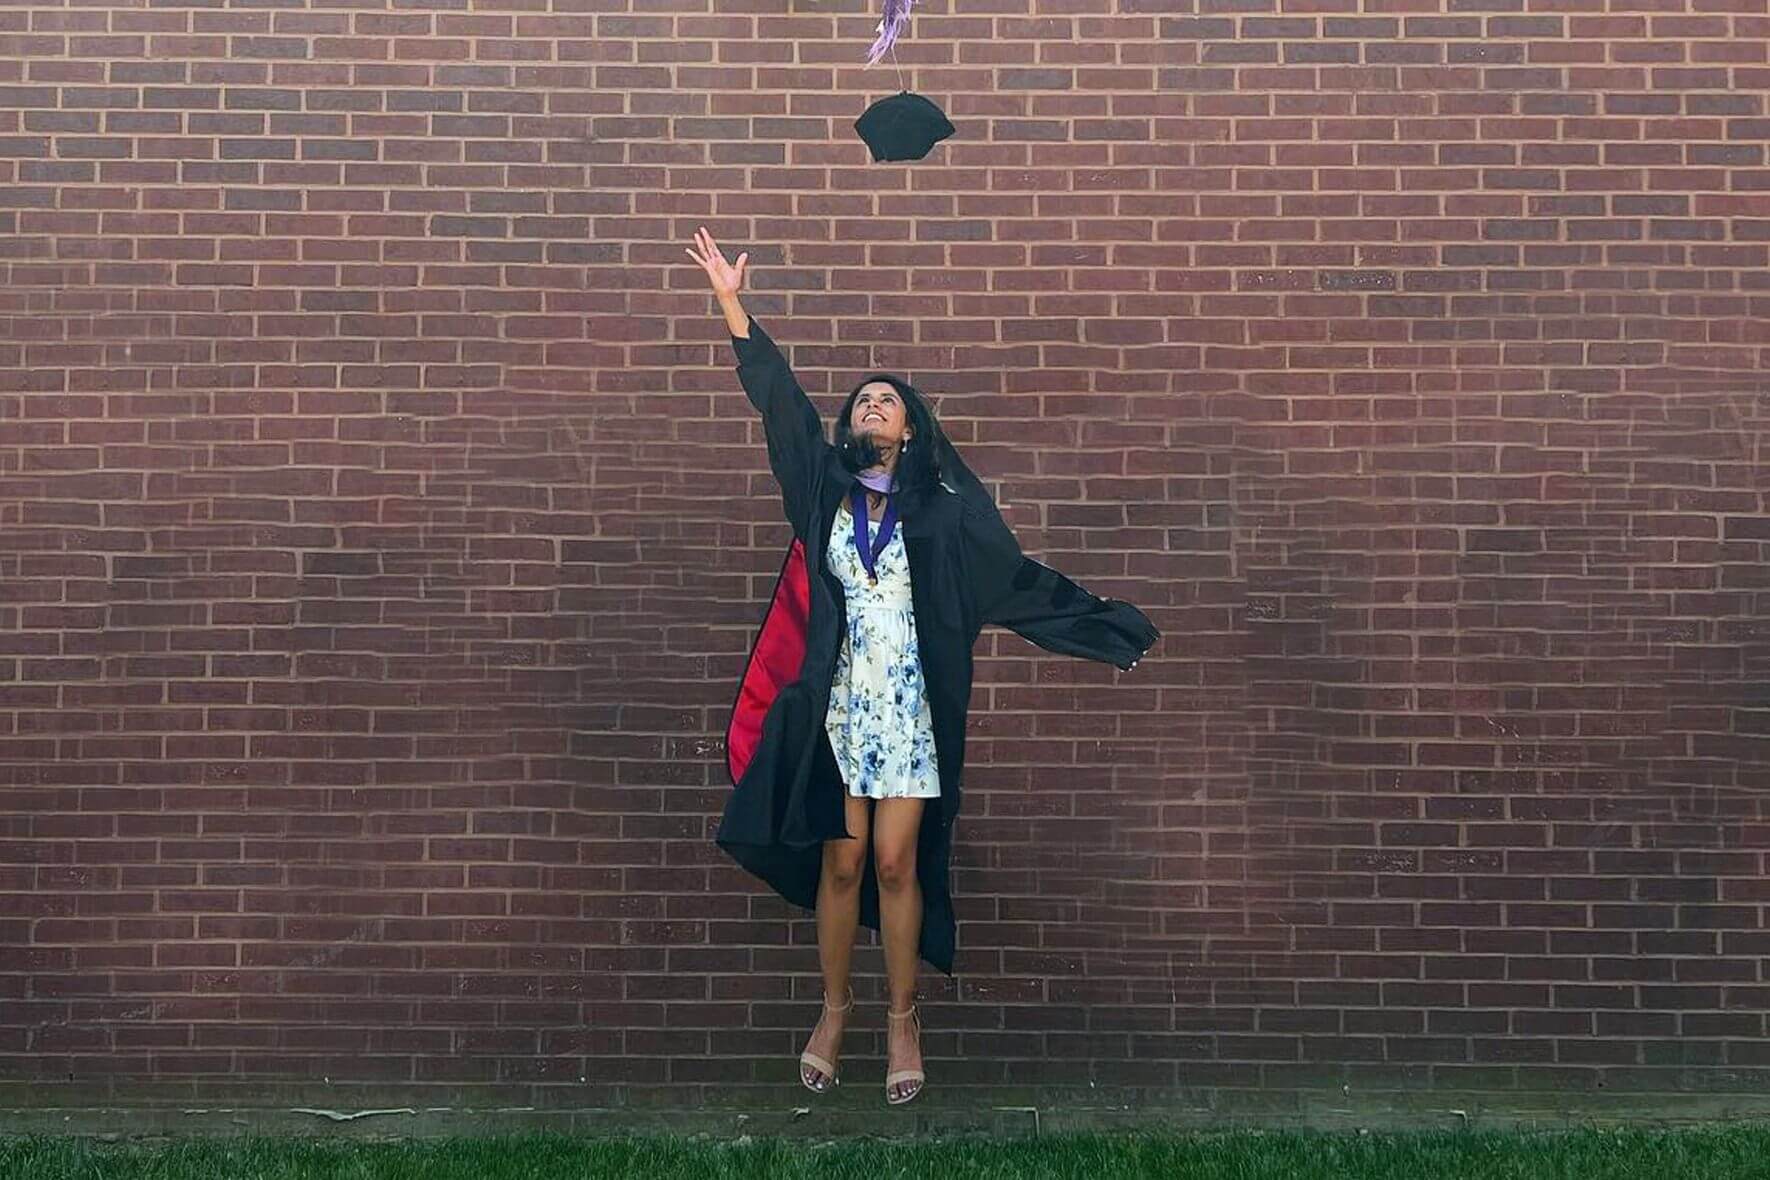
x=965 y=570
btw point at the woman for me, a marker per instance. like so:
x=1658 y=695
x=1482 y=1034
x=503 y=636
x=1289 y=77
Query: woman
x=861 y=674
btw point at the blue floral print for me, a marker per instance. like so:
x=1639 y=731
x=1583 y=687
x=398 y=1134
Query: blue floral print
x=879 y=723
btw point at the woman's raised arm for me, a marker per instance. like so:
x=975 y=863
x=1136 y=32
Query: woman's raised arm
x=727 y=279
x=796 y=445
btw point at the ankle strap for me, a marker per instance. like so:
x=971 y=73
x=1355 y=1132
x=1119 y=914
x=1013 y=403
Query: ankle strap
x=844 y=1007
x=901 y=1015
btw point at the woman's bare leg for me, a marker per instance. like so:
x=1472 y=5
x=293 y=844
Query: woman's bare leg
x=838 y=915
x=896 y=824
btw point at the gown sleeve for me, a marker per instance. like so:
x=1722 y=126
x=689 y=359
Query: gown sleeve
x=796 y=444
x=1041 y=605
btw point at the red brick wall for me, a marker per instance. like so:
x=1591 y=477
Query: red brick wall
x=382 y=531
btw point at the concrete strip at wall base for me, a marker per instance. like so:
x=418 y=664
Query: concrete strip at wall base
x=862 y=1114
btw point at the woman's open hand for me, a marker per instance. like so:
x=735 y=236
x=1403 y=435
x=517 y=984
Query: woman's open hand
x=727 y=278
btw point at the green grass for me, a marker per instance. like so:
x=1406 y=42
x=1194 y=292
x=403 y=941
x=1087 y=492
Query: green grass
x=1730 y=1153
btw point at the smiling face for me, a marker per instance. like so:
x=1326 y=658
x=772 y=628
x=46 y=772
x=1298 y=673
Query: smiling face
x=879 y=414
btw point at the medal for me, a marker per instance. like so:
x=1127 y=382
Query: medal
x=869 y=553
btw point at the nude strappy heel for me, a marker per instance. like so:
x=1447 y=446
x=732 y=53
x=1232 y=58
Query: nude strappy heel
x=810 y=1060
x=897 y=1076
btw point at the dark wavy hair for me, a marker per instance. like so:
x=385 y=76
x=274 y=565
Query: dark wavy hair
x=918 y=467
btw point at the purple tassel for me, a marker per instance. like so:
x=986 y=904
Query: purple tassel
x=897 y=18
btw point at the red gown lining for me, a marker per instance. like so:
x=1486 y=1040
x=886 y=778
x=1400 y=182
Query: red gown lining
x=774 y=662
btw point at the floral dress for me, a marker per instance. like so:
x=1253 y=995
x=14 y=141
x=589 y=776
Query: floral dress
x=879 y=723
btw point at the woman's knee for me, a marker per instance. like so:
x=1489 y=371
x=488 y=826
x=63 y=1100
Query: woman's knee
x=843 y=862
x=895 y=866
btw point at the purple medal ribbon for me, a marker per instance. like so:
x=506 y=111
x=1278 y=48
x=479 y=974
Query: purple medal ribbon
x=857 y=507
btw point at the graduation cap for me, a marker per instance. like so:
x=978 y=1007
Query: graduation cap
x=903 y=126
